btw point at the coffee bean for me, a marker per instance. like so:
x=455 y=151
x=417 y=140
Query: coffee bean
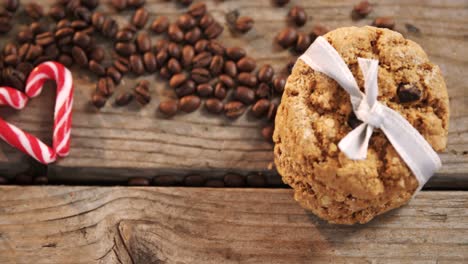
x=362 y=9
x=45 y=38
x=230 y=68
x=187 y=55
x=144 y=83
x=83 y=13
x=124 y=35
x=202 y=60
x=193 y=35
x=82 y=40
x=123 y=99
x=289 y=66
x=215 y=48
x=149 y=60
x=23 y=50
x=14 y=78
x=256 y=180
x=174 y=66
x=63 y=23
x=91 y=4
x=97 y=20
x=287 y=37
x=11 y=5
x=138 y=181
x=267 y=133
x=384 y=22
x=142 y=95
x=186 y=88
x=125 y=49
x=97 y=68
x=214 y=105
x=278 y=84
x=263 y=90
x=135 y=3
x=194 y=180
x=34 y=10
x=206 y=21
x=11 y=60
x=65 y=59
x=105 y=86
x=408 y=93
x=119 y=5
x=220 y=91
x=38 y=27
x=281 y=2
x=161 y=45
x=186 y=21
x=197 y=9
x=246 y=64
x=169 y=107
x=303 y=42
x=189 y=103
x=213 y=183
x=353 y=121
x=115 y=75
x=200 y=75
x=174 y=50
x=297 y=16
x=65 y=44
x=164 y=73
x=41 y=180
x=260 y=108
x=79 y=56
x=24 y=36
x=136 y=65
x=244 y=24
x=162 y=57
x=265 y=73
x=201 y=46
x=140 y=18
x=160 y=24
x=234 y=180
x=214 y=30
x=175 y=33
x=165 y=180
x=109 y=27
x=205 y=89
x=143 y=42
x=177 y=80
x=10 y=48
x=247 y=79
x=234 y=109
x=79 y=24
x=235 y=53
x=271 y=114
x=318 y=30
x=25 y=68
x=64 y=32
x=216 y=65
x=97 y=54
x=227 y=81
x=244 y=94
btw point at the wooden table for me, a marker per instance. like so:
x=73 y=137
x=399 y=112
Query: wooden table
x=198 y=225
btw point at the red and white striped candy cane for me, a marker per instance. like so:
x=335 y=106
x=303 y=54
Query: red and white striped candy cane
x=15 y=136
x=63 y=104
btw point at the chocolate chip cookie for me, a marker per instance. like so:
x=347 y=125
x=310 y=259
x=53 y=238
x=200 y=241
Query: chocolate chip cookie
x=316 y=113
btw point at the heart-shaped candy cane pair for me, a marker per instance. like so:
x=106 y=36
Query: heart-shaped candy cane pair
x=27 y=143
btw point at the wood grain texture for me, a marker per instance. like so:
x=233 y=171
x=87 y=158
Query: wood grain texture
x=114 y=143
x=198 y=225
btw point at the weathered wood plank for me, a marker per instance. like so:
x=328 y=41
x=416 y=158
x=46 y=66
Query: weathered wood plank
x=197 y=225
x=113 y=144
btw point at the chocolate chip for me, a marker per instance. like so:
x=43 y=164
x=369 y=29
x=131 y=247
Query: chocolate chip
x=408 y=92
x=353 y=121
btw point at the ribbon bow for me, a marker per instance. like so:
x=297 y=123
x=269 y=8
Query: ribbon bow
x=407 y=141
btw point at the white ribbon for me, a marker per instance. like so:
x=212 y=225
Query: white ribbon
x=407 y=141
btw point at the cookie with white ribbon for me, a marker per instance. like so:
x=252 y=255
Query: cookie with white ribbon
x=359 y=138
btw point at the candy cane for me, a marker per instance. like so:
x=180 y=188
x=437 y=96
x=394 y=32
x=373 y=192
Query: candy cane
x=63 y=104
x=15 y=136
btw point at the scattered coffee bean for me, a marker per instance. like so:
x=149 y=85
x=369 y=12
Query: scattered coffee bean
x=123 y=99
x=10 y=48
x=177 y=80
x=244 y=94
x=214 y=105
x=142 y=94
x=169 y=107
x=234 y=180
x=143 y=42
x=161 y=45
x=230 y=68
x=281 y=2
x=265 y=73
x=41 y=180
x=234 y=109
x=187 y=55
x=123 y=65
x=216 y=65
x=57 y=12
x=125 y=49
x=260 y=108
x=215 y=48
x=202 y=60
x=98 y=100
x=187 y=88
x=97 y=20
x=124 y=35
x=186 y=21
x=189 y=103
x=24 y=36
x=267 y=132
x=97 y=54
x=246 y=64
x=174 y=66
x=174 y=50
x=220 y=91
x=113 y=73
x=408 y=92
x=231 y=17
x=83 y=13
x=165 y=180
x=90 y=4
x=34 y=10
x=11 y=5
x=138 y=181
x=105 y=86
x=256 y=180
x=201 y=46
x=45 y=38
x=119 y=5
x=247 y=79
x=384 y=22
x=79 y=56
x=287 y=37
x=175 y=33
x=197 y=9
x=194 y=180
x=97 y=68
x=297 y=16
x=81 y=39
x=79 y=24
x=205 y=89
x=140 y=18
x=109 y=27
x=278 y=84
x=227 y=80
x=25 y=68
x=135 y=3
x=11 y=60
x=303 y=42
x=206 y=21
x=362 y=9
x=149 y=60
x=201 y=75
x=162 y=57
x=289 y=66
x=214 y=183
x=193 y=35
x=136 y=65
x=263 y=90
x=272 y=111
x=244 y=24
x=160 y=24
x=164 y=73
x=65 y=59
x=214 y=30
